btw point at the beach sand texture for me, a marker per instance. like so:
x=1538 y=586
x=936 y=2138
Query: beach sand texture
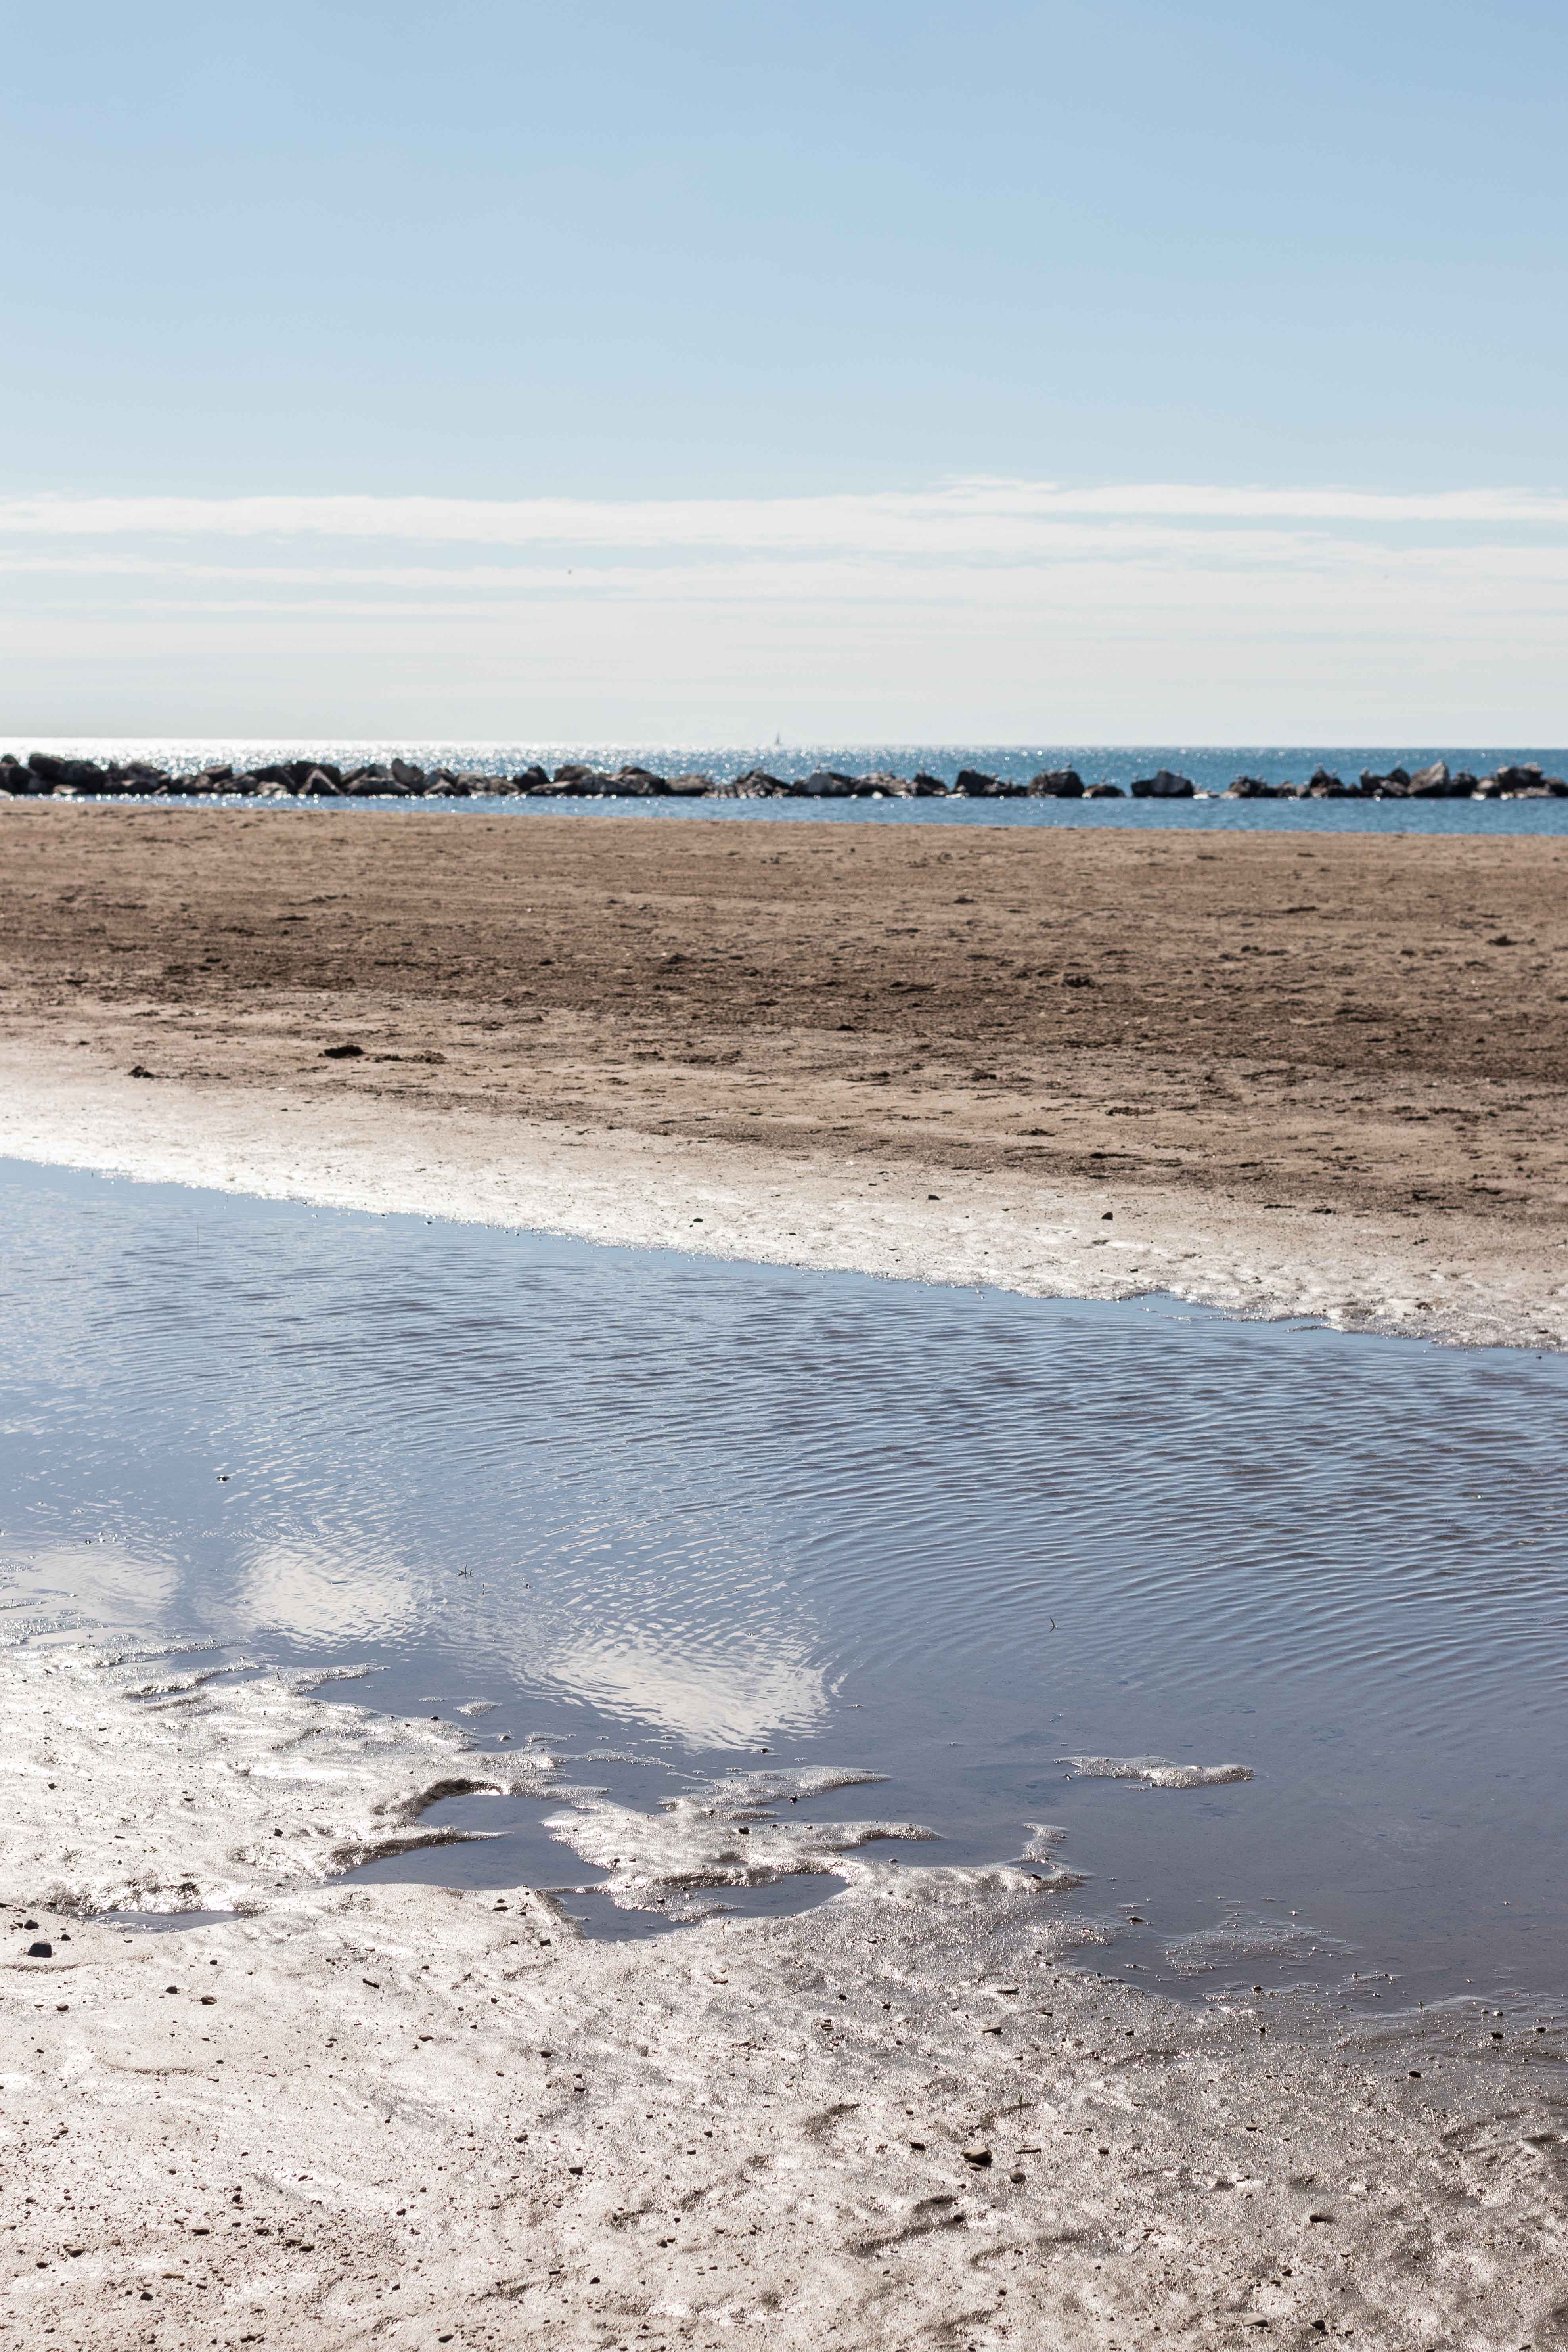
x=429 y=2124
x=1304 y=1074
x=911 y=2117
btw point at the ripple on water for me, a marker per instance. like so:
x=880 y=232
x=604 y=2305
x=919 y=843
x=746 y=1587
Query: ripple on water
x=951 y=1538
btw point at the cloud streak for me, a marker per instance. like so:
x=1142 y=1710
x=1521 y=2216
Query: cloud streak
x=969 y=611
x=966 y=519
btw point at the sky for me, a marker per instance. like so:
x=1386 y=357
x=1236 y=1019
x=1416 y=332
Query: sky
x=1115 y=372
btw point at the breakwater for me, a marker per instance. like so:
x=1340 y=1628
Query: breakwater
x=44 y=774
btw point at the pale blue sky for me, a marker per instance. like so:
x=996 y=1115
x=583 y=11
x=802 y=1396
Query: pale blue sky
x=616 y=254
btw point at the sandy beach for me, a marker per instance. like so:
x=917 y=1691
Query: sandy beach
x=1278 y=1077
x=1322 y=1075
x=916 y=2115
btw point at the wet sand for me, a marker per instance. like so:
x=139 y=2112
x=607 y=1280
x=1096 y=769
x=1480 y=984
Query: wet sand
x=1295 y=1074
x=912 y=2117
x=1324 y=1074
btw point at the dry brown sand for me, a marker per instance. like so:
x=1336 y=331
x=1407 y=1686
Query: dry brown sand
x=1303 y=1074
x=1319 y=1073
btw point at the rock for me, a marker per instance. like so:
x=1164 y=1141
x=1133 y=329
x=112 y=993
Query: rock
x=345 y=1052
x=1395 y=785
x=690 y=787
x=405 y=774
x=1057 y=784
x=637 y=783
x=137 y=776
x=1104 y=792
x=928 y=788
x=829 y=785
x=1526 y=777
x=756 y=784
x=979 y=2155
x=1432 y=783
x=1250 y=787
x=313 y=776
x=531 y=780
x=368 y=784
x=890 y=787
x=1323 y=786
x=140 y=1070
x=40 y=1951
x=1163 y=786
x=50 y=770
x=975 y=785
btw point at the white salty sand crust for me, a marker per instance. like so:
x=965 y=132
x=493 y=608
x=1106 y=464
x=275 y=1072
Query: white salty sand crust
x=126 y=1785
x=1154 y=1771
x=396 y=2114
x=1476 y=1284
x=722 y=1834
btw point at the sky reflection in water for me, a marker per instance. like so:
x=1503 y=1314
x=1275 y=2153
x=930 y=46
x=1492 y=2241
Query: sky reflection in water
x=695 y=1509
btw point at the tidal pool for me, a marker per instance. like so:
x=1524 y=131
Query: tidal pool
x=665 y=1513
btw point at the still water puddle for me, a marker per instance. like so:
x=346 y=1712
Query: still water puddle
x=1044 y=1566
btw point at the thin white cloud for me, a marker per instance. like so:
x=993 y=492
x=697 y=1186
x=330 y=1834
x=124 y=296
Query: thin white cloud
x=971 y=519
x=978 y=610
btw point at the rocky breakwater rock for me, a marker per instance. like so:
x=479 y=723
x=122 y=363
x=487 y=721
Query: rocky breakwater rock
x=311 y=779
x=1435 y=783
x=632 y=783
x=926 y=787
x=974 y=784
x=1323 y=785
x=1103 y=792
x=1393 y=785
x=1056 y=784
x=574 y=781
x=1163 y=786
x=379 y=780
x=45 y=772
x=51 y=773
x=1523 y=781
x=756 y=784
x=577 y=782
x=1250 y=787
x=207 y=783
